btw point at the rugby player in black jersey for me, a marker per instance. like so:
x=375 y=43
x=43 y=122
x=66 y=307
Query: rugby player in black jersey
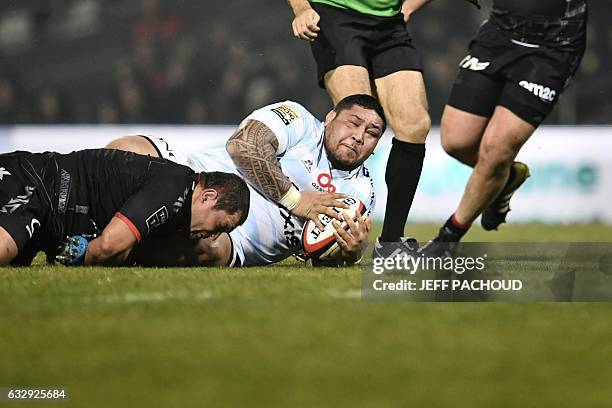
x=516 y=67
x=93 y=207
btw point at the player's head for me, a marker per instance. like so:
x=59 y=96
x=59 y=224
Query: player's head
x=352 y=130
x=220 y=203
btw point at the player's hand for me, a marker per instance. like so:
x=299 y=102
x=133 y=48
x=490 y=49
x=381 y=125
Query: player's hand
x=305 y=24
x=72 y=251
x=353 y=241
x=313 y=203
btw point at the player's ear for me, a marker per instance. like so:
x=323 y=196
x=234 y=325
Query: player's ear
x=330 y=116
x=209 y=194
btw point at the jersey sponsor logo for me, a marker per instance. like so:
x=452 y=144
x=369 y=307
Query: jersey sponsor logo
x=64 y=191
x=15 y=203
x=289 y=231
x=543 y=92
x=157 y=218
x=473 y=63
x=286 y=113
x=4 y=172
x=324 y=183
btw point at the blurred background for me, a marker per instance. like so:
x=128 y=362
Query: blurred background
x=213 y=62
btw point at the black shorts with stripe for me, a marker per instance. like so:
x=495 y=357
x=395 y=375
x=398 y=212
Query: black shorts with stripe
x=522 y=70
x=347 y=37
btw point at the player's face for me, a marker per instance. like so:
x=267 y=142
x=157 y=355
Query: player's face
x=207 y=221
x=351 y=136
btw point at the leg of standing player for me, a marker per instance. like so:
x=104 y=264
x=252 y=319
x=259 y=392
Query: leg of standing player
x=503 y=137
x=402 y=95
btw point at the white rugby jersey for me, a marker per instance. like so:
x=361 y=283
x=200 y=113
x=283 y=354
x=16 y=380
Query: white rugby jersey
x=270 y=233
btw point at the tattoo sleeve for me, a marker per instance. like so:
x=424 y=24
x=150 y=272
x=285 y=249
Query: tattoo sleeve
x=253 y=151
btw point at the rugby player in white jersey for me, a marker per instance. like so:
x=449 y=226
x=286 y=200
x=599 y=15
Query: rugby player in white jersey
x=295 y=165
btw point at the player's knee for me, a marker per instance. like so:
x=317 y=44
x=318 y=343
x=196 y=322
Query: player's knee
x=495 y=160
x=412 y=130
x=135 y=144
x=455 y=147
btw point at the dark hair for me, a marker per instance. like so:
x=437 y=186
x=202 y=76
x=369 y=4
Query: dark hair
x=233 y=192
x=365 y=101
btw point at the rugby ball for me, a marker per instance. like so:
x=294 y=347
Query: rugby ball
x=322 y=244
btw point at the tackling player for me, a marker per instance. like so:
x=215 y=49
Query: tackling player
x=521 y=60
x=296 y=166
x=114 y=198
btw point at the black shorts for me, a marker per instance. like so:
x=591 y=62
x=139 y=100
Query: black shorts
x=527 y=78
x=347 y=37
x=23 y=206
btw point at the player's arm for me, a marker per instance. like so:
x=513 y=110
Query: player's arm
x=253 y=150
x=8 y=247
x=410 y=6
x=112 y=247
x=305 y=23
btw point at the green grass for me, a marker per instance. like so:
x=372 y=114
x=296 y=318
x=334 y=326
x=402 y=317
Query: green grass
x=290 y=336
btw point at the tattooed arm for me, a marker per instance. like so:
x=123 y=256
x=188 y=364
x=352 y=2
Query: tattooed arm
x=253 y=150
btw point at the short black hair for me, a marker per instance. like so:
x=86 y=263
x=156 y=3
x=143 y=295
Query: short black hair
x=365 y=101
x=234 y=194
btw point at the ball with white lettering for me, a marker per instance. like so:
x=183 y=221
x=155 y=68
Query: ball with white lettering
x=322 y=244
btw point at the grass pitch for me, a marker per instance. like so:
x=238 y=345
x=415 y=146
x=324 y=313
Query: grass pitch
x=290 y=336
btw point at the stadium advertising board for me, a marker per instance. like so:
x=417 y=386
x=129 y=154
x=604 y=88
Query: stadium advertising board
x=571 y=167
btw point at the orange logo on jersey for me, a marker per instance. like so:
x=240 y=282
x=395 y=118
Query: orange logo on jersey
x=324 y=181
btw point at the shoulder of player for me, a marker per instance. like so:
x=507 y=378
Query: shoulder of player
x=288 y=112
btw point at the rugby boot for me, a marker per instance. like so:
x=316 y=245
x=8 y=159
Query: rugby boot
x=444 y=245
x=405 y=246
x=495 y=214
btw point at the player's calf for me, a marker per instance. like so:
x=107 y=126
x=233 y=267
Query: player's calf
x=495 y=214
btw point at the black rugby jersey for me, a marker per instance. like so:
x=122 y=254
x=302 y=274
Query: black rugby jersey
x=83 y=190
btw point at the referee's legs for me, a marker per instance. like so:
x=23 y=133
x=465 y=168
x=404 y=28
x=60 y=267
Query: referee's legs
x=347 y=80
x=402 y=96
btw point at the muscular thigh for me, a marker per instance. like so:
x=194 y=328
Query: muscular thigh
x=347 y=80
x=402 y=95
x=461 y=131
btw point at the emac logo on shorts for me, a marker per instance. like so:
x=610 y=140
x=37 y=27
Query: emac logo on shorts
x=543 y=92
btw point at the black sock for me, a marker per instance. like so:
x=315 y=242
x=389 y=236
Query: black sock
x=452 y=230
x=402 y=176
